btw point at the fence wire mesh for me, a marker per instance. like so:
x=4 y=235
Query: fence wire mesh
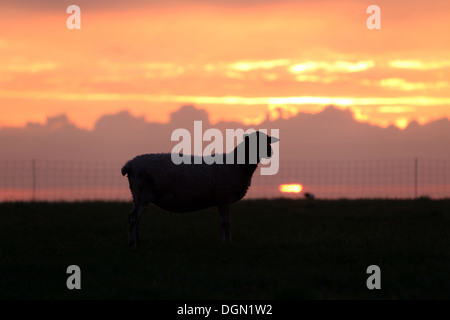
x=55 y=180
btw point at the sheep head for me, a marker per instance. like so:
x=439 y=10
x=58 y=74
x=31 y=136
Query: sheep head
x=257 y=146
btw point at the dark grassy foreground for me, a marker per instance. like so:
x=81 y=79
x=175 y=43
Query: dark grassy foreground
x=281 y=249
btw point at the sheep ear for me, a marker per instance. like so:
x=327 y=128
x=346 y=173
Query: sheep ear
x=274 y=139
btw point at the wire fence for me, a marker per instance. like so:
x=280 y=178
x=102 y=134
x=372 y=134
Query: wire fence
x=53 y=180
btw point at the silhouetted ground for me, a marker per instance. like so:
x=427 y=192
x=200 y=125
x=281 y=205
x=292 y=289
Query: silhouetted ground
x=282 y=249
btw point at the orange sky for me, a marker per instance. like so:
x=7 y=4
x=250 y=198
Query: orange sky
x=236 y=59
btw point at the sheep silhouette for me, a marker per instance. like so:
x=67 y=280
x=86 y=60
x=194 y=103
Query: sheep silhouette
x=154 y=178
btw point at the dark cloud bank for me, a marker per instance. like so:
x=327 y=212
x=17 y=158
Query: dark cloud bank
x=330 y=135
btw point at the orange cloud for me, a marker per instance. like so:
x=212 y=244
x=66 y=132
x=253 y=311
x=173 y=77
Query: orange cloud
x=331 y=67
x=419 y=65
x=236 y=61
x=402 y=84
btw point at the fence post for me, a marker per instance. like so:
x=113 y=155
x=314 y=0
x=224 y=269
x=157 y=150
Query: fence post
x=33 y=177
x=415 y=177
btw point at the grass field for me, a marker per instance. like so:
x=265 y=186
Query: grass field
x=282 y=249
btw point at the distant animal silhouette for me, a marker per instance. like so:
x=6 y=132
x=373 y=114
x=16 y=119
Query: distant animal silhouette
x=309 y=196
x=154 y=178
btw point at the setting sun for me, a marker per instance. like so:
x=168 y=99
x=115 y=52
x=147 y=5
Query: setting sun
x=291 y=188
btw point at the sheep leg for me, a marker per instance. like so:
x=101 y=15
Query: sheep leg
x=133 y=220
x=224 y=215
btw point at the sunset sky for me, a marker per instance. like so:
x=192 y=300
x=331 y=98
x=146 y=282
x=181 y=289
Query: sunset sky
x=239 y=60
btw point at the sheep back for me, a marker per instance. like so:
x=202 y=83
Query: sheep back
x=184 y=187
